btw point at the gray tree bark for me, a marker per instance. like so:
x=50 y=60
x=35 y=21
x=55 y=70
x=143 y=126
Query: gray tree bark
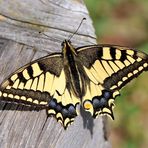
x=20 y=43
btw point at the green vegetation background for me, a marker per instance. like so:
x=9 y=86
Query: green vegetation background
x=125 y=22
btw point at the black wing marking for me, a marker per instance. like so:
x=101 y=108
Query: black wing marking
x=109 y=68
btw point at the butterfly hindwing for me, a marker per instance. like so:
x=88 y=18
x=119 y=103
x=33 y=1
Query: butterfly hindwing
x=109 y=68
x=42 y=84
x=63 y=107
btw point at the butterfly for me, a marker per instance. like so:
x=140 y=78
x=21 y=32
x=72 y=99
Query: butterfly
x=90 y=76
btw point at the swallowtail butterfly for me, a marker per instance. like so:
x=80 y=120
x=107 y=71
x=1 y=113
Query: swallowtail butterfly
x=90 y=76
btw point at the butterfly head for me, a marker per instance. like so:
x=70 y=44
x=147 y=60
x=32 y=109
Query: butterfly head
x=67 y=48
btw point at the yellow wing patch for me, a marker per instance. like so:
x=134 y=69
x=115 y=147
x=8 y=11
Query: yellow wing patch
x=36 y=69
x=26 y=74
x=106 y=53
x=48 y=82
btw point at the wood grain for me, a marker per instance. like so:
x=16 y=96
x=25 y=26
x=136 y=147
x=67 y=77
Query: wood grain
x=20 y=43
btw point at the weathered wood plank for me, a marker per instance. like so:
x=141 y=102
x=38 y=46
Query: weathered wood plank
x=20 y=43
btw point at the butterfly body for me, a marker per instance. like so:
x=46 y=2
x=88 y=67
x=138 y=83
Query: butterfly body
x=72 y=70
x=90 y=76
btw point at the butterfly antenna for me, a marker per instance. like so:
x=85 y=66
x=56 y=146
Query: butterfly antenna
x=49 y=36
x=77 y=28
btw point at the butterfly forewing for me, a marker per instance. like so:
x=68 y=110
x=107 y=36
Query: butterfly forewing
x=109 y=68
x=42 y=84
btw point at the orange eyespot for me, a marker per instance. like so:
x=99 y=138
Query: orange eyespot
x=87 y=105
